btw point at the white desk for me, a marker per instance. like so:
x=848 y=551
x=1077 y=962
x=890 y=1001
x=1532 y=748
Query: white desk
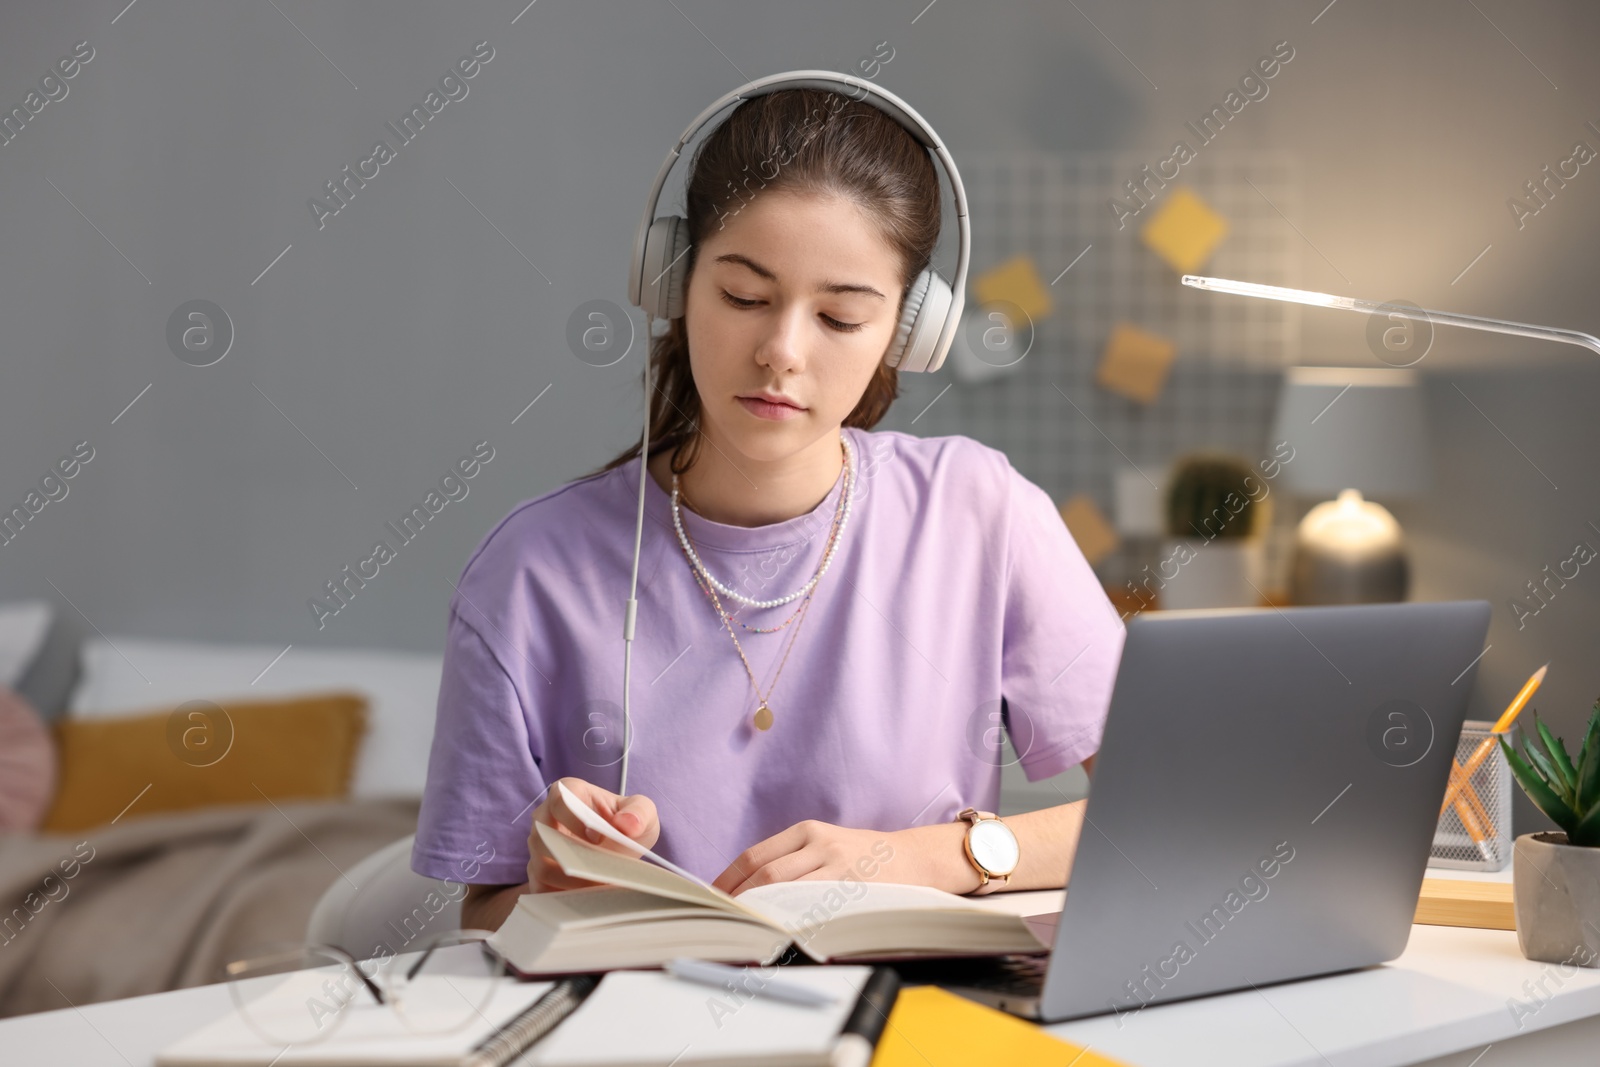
x=1441 y=1003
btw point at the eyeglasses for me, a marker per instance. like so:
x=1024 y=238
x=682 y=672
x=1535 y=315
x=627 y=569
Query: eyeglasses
x=436 y=989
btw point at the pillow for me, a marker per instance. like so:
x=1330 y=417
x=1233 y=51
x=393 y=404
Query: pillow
x=164 y=761
x=27 y=764
x=402 y=691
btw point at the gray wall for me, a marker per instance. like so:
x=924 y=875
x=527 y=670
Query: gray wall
x=427 y=315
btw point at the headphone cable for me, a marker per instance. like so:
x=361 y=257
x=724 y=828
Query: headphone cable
x=631 y=614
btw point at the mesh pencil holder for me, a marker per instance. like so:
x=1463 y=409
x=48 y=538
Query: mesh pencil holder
x=1488 y=810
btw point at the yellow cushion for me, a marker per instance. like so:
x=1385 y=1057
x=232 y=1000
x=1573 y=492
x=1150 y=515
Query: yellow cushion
x=198 y=754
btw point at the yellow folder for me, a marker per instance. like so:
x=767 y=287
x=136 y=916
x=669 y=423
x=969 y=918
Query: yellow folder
x=931 y=1027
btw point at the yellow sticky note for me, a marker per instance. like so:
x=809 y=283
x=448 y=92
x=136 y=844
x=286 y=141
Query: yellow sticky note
x=1088 y=526
x=932 y=1027
x=1015 y=281
x=1184 y=231
x=1135 y=362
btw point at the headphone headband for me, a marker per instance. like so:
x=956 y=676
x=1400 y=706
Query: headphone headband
x=886 y=102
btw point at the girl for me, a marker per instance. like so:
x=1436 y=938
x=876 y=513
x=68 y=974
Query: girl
x=834 y=623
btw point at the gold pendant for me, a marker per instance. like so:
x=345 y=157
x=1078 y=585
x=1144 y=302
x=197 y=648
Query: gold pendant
x=763 y=717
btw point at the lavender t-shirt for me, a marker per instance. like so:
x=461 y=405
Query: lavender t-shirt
x=956 y=594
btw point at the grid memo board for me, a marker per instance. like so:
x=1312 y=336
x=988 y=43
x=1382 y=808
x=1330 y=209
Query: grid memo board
x=1222 y=388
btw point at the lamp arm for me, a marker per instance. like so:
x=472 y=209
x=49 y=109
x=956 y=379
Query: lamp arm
x=1373 y=307
x=1477 y=322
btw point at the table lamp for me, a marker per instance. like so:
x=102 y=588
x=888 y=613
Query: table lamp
x=1354 y=431
x=1391 y=311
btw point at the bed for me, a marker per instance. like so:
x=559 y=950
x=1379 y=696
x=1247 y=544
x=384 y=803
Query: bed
x=161 y=894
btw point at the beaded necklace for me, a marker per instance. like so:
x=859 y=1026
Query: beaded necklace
x=842 y=518
x=763 y=719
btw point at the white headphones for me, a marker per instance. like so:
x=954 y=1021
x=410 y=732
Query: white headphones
x=657 y=278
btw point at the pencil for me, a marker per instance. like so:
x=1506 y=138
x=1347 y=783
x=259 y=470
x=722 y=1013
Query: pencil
x=1479 y=808
x=1481 y=753
x=1474 y=818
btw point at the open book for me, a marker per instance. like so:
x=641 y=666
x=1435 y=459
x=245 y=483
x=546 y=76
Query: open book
x=644 y=915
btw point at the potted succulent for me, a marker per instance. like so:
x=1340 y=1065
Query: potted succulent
x=1215 y=510
x=1556 y=875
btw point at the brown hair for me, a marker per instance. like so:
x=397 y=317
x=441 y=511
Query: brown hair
x=810 y=141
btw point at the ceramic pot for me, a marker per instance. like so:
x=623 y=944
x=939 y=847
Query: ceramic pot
x=1217 y=574
x=1556 y=887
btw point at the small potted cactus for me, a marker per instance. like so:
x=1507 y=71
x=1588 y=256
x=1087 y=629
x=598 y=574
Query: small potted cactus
x=1556 y=875
x=1216 y=511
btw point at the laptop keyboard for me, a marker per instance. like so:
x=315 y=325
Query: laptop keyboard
x=1021 y=976
x=1012 y=975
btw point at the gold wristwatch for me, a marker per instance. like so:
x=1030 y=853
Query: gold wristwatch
x=991 y=848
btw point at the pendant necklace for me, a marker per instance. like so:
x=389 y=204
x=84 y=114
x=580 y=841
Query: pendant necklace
x=763 y=718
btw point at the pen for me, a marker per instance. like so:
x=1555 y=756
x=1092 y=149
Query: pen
x=865 y=1024
x=724 y=977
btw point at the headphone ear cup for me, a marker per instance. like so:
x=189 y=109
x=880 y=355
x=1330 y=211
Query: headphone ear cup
x=927 y=305
x=662 y=285
x=918 y=291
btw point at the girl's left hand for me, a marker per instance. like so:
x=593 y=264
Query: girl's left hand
x=818 y=850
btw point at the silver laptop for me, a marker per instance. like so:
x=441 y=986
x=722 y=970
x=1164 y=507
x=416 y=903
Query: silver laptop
x=1262 y=806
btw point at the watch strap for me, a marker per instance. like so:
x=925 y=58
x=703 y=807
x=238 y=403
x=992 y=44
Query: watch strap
x=991 y=883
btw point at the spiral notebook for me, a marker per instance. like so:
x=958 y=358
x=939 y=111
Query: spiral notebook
x=653 y=1019
x=519 y=1014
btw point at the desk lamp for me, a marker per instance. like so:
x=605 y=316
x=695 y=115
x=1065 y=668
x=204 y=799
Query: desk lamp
x=1354 y=430
x=1391 y=310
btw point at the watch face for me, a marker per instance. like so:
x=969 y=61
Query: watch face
x=995 y=846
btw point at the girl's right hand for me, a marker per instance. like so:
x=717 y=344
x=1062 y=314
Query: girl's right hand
x=633 y=816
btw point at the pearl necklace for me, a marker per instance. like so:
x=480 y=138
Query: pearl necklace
x=849 y=493
x=833 y=536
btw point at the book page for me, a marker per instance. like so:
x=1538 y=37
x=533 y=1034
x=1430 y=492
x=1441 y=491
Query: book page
x=834 y=919
x=591 y=818
x=602 y=905
x=580 y=859
x=812 y=901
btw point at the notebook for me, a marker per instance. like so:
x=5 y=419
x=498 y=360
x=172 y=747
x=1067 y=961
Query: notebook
x=519 y=1014
x=652 y=1019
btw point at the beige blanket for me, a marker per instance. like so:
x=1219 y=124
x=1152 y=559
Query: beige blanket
x=164 y=901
